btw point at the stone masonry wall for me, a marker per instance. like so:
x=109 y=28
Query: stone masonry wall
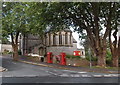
x=57 y=50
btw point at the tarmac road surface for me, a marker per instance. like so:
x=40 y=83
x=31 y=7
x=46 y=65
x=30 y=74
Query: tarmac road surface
x=25 y=73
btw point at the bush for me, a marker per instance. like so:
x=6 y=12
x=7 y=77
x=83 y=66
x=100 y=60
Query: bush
x=6 y=52
x=19 y=52
x=108 y=58
x=92 y=58
x=10 y=52
x=72 y=56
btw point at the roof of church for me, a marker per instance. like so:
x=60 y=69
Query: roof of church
x=67 y=30
x=74 y=41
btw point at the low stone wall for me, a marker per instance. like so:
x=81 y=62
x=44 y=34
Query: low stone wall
x=6 y=47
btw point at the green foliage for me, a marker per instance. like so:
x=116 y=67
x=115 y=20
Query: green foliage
x=7 y=52
x=92 y=58
x=19 y=52
x=5 y=41
x=72 y=56
x=108 y=57
x=14 y=18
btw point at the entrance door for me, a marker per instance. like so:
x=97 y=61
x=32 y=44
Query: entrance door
x=41 y=51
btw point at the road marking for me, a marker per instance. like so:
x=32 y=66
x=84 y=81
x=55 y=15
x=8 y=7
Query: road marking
x=97 y=75
x=51 y=73
x=111 y=75
x=116 y=75
x=64 y=75
x=70 y=71
x=81 y=72
x=13 y=62
x=75 y=75
x=20 y=76
x=85 y=75
x=74 y=71
x=107 y=75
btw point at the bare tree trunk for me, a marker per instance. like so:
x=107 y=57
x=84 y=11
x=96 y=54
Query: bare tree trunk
x=115 y=61
x=15 y=46
x=114 y=47
x=102 y=58
x=15 y=52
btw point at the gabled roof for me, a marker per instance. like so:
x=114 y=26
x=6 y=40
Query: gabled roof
x=74 y=41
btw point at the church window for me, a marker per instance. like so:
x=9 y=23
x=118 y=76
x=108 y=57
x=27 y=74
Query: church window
x=66 y=38
x=70 y=38
x=54 y=39
x=60 y=39
x=82 y=53
x=49 y=39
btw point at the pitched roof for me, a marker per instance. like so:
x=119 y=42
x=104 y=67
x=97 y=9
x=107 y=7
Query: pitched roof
x=74 y=41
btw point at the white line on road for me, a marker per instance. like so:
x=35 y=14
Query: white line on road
x=111 y=75
x=75 y=75
x=51 y=73
x=20 y=76
x=97 y=75
x=82 y=72
x=85 y=75
x=74 y=71
x=69 y=71
x=13 y=62
x=64 y=75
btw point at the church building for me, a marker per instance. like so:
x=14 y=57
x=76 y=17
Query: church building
x=56 y=43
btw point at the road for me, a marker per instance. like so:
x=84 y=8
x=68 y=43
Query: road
x=25 y=73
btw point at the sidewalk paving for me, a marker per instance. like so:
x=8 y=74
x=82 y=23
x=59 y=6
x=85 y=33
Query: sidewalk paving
x=74 y=68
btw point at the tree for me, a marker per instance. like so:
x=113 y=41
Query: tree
x=14 y=22
x=17 y=18
x=95 y=18
x=114 y=44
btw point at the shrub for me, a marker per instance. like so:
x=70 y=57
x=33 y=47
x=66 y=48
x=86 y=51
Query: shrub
x=72 y=56
x=92 y=58
x=19 y=52
x=108 y=58
x=10 y=52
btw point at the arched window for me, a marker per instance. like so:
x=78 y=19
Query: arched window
x=60 y=39
x=54 y=39
x=66 y=38
x=49 y=39
x=70 y=38
x=82 y=53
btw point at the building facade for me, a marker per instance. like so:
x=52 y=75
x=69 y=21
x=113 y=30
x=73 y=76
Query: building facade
x=56 y=43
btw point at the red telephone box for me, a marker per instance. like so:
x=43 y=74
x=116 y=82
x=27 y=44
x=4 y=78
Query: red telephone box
x=77 y=53
x=63 y=59
x=49 y=57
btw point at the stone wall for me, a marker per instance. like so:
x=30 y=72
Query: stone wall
x=6 y=46
x=58 y=49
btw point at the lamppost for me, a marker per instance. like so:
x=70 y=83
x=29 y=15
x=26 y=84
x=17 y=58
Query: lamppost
x=89 y=51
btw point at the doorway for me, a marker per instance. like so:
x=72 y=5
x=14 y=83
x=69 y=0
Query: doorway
x=41 y=51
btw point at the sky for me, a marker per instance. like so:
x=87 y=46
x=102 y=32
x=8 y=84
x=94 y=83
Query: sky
x=76 y=37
